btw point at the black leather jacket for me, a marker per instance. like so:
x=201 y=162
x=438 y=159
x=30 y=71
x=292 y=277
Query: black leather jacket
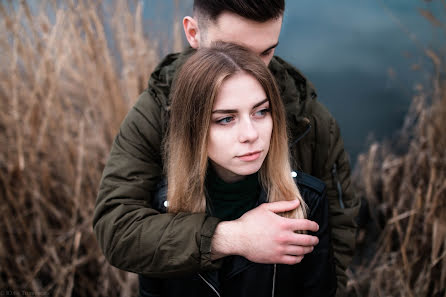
x=314 y=276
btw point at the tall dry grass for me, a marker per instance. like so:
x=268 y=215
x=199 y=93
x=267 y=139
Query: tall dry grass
x=406 y=193
x=65 y=85
x=69 y=71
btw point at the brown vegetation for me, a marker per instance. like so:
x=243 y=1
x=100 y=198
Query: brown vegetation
x=406 y=193
x=65 y=86
x=62 y=98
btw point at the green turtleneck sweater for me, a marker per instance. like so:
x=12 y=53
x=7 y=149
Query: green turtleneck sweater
x=229 y=201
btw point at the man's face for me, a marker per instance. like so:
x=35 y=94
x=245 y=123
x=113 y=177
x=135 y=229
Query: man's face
x=260 y=38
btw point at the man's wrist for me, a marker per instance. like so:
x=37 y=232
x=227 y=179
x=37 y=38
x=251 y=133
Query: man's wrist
x=224 y=242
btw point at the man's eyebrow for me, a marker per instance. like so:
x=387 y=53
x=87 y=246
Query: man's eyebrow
x=235 y=111
x=270 y=48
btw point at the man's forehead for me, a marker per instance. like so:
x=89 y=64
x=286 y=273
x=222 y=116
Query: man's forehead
x=256 y=36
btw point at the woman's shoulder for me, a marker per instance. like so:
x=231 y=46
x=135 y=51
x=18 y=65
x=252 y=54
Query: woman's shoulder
x=309 y=182
x=313 y=191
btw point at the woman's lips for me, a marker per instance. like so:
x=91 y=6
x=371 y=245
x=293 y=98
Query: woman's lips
x=250 y=156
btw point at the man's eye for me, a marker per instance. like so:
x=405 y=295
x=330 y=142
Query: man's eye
x=264 y=54
x=225 y=121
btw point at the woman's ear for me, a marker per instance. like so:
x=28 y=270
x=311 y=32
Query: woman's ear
x=192 y=32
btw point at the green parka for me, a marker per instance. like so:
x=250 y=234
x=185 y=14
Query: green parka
x=135 y=237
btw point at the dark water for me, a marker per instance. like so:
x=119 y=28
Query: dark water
x=359 y=55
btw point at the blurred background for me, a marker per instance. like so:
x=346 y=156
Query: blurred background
x=70 y=70
x=364 y=57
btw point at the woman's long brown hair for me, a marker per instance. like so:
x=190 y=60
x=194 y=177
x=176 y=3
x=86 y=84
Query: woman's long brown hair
x=194 y=92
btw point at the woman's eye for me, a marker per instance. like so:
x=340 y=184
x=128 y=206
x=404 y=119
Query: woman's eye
x=225 y=121
x=262 y=112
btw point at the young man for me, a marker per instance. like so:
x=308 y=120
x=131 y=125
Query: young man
x=137 y=238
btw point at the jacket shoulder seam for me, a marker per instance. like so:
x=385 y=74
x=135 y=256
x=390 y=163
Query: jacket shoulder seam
x=310 y=182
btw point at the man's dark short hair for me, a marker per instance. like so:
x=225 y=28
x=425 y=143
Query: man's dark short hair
x=255 y=10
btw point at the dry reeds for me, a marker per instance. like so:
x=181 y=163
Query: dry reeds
x=69 y=71
x=406 y=194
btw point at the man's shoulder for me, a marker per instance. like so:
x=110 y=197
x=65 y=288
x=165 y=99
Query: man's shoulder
x=154 y=99
x=165 y=71
x=295 y=87
x=280 y=66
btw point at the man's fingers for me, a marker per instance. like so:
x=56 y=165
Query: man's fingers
x=303 y=240
x=303 y=224
x=282 y=206
x=296 y=250
x=290 y=260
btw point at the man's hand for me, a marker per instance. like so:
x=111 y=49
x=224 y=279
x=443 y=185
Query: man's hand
x=262 y=236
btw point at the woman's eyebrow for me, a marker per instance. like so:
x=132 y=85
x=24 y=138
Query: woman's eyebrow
x=260 y=103
x=235 y=110
x=224 y=111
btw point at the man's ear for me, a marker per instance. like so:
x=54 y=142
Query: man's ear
x=192 y=32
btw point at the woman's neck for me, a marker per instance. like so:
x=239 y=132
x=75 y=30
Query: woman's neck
x=224 y=174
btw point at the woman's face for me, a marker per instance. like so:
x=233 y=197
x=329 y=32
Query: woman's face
x=240 y=129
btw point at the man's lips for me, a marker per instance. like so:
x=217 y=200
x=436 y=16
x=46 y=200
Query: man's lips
x=251 y=156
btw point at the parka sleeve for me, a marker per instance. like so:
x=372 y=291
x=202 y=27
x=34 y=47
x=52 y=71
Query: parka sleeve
x=321 y=153
x=132 y=235
x=332 y=166
x=343 y=203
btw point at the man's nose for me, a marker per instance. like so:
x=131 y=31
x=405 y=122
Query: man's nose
x=248 y=131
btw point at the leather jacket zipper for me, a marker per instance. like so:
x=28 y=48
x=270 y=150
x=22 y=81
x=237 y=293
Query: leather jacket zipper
x=274 y=281
x=210 y=285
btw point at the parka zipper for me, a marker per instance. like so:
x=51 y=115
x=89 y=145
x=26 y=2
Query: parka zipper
x=301 y=136
x=209 y=284
x=334 y=173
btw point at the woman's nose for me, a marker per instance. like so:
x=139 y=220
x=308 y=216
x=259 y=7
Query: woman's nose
x=248 y=131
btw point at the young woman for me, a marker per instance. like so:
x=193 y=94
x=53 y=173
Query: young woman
x=226 y=153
